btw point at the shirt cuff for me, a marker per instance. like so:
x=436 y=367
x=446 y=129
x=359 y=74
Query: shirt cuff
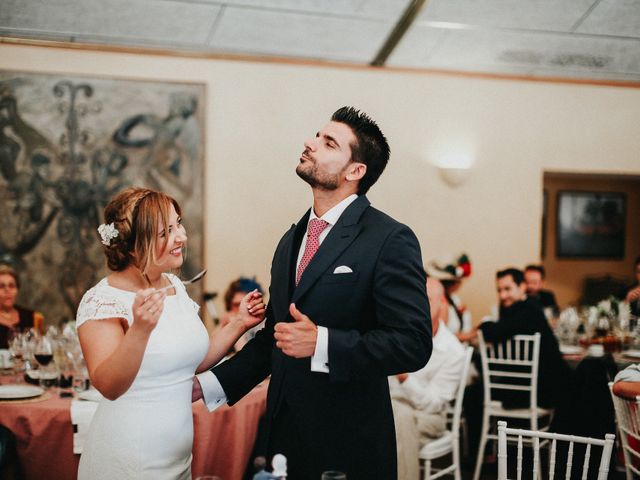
x=320 y=358
x=212 y=392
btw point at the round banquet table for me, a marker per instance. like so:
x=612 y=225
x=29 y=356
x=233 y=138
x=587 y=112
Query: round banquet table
x=223 y=439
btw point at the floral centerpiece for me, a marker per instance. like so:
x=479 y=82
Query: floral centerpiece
x=603 y=316
x=611 y=314
x=608 y=323
x=608 y=309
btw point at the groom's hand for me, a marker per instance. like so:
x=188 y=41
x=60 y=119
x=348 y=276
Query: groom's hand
x=298 y=338
x=196 y=391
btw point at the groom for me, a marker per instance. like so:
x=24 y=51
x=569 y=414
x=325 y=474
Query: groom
x=348 y=307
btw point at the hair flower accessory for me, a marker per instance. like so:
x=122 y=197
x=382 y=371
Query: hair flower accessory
x=107 y=232
x=450 y=267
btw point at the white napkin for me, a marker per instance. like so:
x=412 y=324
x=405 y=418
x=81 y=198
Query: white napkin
x=5 y=358
x=82 y=412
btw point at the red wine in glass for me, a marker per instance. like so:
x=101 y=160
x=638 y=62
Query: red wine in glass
x=44 y=359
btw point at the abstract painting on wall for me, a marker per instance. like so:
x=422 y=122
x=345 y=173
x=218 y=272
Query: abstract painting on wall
x=67 y=145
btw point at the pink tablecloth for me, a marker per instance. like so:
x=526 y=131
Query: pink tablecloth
x=44 y=437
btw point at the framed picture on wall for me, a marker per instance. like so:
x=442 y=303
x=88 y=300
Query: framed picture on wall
x=69 y=144
x=590 y=224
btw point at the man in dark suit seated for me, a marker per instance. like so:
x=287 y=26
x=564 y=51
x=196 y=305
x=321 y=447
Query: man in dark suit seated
x=521 y=315
x=534 y=278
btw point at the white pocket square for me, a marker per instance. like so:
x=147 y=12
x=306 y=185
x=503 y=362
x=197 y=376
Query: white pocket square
x=343 y=269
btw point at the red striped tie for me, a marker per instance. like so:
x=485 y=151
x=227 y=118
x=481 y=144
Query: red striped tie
x=315 y=228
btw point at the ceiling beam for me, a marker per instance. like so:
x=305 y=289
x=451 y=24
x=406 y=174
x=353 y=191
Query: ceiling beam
x=401 y=27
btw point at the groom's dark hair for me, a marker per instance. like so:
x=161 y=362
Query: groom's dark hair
x=371 y=147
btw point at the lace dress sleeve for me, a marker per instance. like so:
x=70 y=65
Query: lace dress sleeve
x=99 y=305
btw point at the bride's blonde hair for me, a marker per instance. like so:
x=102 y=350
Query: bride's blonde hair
x=135 y=212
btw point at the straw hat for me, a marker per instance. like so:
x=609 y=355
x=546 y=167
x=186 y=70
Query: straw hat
x=449 y=267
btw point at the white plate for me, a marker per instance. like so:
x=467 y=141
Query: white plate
x=571 y=349
x=38 y=374
x=631 y=353
x=19 y=391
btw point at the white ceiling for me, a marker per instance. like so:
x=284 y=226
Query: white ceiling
x=576 y=39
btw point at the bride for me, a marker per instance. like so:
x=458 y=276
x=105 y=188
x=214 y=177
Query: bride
x=143 y=342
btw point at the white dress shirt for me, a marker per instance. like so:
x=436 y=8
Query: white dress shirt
x=433 y=386
x=212 y=391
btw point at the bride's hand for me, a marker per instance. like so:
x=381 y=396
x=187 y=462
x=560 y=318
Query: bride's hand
x=147 y=308
x=252 y=309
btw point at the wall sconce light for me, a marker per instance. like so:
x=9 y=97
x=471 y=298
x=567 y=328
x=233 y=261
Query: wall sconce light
x=454 y=176
x=454 y=168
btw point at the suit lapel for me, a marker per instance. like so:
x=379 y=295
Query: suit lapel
x=339 y=238
x=283 y=280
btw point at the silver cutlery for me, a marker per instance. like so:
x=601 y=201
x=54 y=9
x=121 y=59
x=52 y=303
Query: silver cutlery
x=186 y=282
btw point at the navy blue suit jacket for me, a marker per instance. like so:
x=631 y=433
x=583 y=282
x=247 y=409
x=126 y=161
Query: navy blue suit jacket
x=379 y=325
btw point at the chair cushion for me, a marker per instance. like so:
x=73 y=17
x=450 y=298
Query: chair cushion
x=438 y=447
x=496 y=409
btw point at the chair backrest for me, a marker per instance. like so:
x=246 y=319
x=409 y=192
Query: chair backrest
x=554 y=438
x=457 y=407
x=628 y=419
x=516 y=359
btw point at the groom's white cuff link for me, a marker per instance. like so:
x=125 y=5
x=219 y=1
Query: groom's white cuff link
x=212 y=391
x=320 y=358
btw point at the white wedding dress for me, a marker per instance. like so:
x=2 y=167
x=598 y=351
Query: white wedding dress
x=147 y=433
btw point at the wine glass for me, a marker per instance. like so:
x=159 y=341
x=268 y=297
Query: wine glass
x=43 y=353
x=17 y=347
x=66 y=364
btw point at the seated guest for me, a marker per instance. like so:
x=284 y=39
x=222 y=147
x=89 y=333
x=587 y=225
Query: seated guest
x=451 y=272
x=420 y=398
x=12 y=316
x=236 y=291
x=633 y=295
x=627 y=385
x=627 y=382
x=522 y=315
x=534 y=278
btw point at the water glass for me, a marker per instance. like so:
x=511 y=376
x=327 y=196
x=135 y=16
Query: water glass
x=49 y=377
x=333 y=475
x=81 y=380
x=17 y=348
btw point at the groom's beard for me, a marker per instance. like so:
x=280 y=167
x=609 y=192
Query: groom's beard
x=308 y=171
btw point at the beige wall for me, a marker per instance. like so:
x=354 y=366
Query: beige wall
x=258 y=115
x=565 y=276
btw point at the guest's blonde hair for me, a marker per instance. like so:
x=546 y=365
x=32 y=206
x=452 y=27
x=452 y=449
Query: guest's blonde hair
x=135 y=213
